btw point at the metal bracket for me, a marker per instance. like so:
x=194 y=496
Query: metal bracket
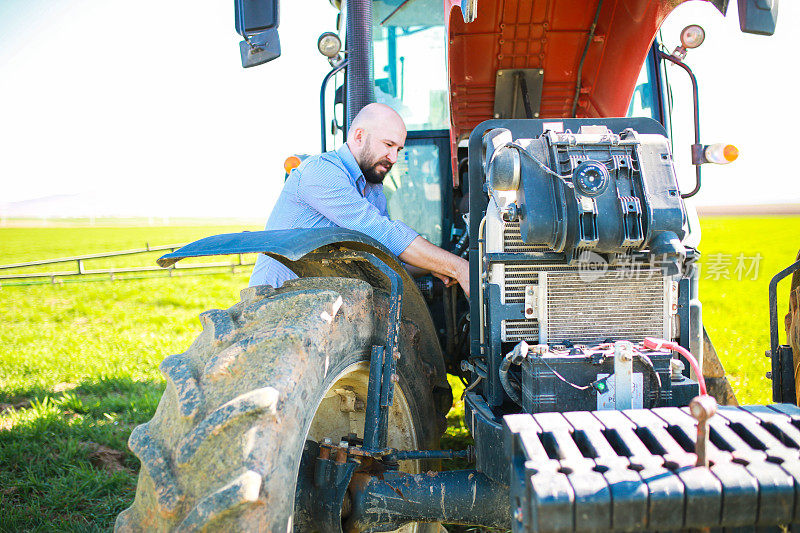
x=531 y=301
x=542 y=307
x=587 y=228
x=632 y=219
x=623 y=161
x=518 y=93
x=321 y=493
x=382 y=376
x=623 y=372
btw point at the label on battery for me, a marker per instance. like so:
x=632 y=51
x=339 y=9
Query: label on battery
x=607 y=400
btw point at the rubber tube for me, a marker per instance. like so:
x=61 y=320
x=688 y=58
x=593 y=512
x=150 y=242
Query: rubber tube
x=656 y=344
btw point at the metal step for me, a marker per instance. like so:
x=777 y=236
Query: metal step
x=635 y=470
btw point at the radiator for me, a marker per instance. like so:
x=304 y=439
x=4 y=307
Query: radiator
x=582 y=306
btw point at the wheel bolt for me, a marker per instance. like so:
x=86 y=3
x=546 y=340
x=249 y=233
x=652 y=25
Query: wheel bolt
x=324 y=449
x=341 y=452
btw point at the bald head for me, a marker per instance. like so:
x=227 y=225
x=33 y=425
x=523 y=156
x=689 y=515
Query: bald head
x=376 y=116
x=376 y=136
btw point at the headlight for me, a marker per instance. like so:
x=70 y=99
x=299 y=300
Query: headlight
x=329 y=44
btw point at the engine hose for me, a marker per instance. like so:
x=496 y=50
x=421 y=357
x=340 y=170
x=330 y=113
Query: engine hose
x=657 y=344
x=360 y=86
x=514 y=394
x=478 y=366
x=472 y=386
x=589 y=40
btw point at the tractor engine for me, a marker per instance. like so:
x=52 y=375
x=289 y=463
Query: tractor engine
x=580 y=248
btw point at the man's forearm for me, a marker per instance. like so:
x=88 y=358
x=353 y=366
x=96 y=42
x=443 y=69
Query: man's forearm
x=416 y=271
x=421 y=253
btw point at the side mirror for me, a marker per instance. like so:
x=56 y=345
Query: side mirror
x=257 y=23
x=758 y=16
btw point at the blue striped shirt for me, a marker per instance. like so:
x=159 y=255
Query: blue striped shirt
x=329 y=190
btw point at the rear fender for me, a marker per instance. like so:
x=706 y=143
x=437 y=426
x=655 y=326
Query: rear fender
x=330 y=252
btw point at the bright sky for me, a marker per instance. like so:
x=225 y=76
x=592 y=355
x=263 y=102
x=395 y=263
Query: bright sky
x=145 y=108
x=747 y=89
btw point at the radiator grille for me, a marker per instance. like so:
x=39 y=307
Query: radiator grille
x=512 y=240
x=520 y=330
x=620 y=304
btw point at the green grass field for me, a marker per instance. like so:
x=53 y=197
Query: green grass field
x=735 y=311
x=79 y=360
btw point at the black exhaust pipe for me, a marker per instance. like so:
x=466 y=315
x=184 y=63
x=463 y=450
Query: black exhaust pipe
x=360 y=85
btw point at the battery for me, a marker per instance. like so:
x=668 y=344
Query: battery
x=582 y=379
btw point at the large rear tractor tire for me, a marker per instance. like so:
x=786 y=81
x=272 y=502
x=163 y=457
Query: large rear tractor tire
x=223 y=450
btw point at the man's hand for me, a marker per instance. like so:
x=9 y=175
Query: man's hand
x=446 y=266
x=417 y=272
x=447 y=280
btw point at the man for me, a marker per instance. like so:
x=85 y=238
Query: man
x=344 y=188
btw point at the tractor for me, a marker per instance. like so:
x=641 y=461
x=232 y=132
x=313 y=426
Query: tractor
x=537 y=148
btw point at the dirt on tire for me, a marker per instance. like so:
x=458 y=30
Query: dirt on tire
x=223 y=448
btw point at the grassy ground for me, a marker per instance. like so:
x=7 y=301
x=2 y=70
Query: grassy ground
x=106 y=340
x=735 y=310
x=79 y=360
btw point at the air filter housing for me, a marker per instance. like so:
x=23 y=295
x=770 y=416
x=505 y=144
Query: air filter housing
x=592 y=190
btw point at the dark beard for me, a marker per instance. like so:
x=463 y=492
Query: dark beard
x=372 y=175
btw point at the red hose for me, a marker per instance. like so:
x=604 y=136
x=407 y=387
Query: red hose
x=656 y=344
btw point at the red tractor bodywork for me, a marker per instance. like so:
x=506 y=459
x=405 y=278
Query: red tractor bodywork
x=549 y=35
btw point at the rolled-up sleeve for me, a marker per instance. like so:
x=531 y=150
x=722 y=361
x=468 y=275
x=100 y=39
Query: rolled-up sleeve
x=328 y=190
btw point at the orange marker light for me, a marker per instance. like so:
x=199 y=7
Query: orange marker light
x=730 y=152
x=291 y=163
x=721 y=154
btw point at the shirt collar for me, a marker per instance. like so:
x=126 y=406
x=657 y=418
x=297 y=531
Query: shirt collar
x=351 y=165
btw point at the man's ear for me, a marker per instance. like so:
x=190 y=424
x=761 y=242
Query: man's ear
x=359 y=136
